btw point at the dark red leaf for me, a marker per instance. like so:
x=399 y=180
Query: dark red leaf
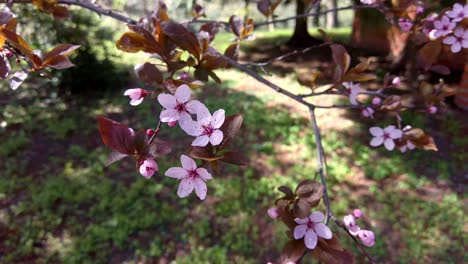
x=5 y=67
x=236 y=25
x=342 y=61
x=159 y=148
x=116 y=136
x=148 y=73
x=287 y=191
x=231 y=127
x=58 y=62
x=212 y=28
x=114 y=157
x=182 y=37
x=63 y=49
x=292 y=251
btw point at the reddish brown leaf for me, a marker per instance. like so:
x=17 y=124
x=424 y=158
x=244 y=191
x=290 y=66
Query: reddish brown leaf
x=5 y=67
x=116 y=136
x=264 y=7
x=287 y=191
x=114 y=157
x=342 y=61
x=18 y=42
x=428 y=54
x=292 y=251
x=231 y=127
x=159 y=148
x=63 y=49
x=182 y=37
x=212 y=28
x=310 y=192
x=58 y=62
x=328 y=254
x=205 y=153
x=301 y=209
x=61 y=12
x=232 y=51
x=138 y=39
x=236 y=25
x=148 y=73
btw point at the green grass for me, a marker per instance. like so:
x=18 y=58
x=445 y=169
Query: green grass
x=63 y=206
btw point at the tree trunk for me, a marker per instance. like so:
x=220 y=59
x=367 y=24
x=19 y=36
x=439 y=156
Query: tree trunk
x=301 y=36
x=332 y=17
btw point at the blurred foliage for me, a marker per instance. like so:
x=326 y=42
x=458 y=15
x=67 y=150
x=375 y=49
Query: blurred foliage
x=94 y=72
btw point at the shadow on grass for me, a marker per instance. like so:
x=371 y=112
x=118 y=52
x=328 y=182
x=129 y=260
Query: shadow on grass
x=60 y=204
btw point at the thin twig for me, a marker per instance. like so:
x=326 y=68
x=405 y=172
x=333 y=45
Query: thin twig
x=87 y=5
x=320 y=159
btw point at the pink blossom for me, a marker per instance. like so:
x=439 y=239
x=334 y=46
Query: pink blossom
x=148 y=168
x=136 y=95
x=368 y=112
x=273 y=212
x=405 y=24
x=354 y=90
x=132 y=132
x=206 y=129
x=442 y=27
x=172 y=124
x=310 y=228
x=350 y=224
x=368 y=2
x=149 y=132
x=458 y=41
x=367 y=237
x=376 y=100
x=178 y=106
x=190 y=178
x=458 y=13
x=408 y=146
x=396 y=81
x=419 y=10
x=357 y=213
x=385 y=136
x=432 y=110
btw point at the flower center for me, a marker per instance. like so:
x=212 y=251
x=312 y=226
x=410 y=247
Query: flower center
x=310 y=224
x=386 y=135
x=208 y=130
x=445 y=27
x=180 y=107
x=193 y=174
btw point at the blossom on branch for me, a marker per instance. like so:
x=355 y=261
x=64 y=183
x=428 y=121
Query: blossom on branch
x=367 y=237
x=191 y=178
x=458 y=41
x=405 y=24
x=148 y=168
x=458 y=13
x=385 y=136
x=136 y=95
x=354 y=90
x=442 y=27
x=350 y=223
x=310 y=228
x=206 y=129
x=178 y=106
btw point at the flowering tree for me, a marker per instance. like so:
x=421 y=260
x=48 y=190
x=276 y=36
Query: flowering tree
x=188 y=60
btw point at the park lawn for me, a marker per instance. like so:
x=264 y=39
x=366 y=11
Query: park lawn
x=59 y=203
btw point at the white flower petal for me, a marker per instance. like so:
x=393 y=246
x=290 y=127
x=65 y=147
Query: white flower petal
x=310 y=239
x=201 y=141
x=376 y=131
x=200 y=188
x=396 y=133
x=187 y=162
x=169 y=115
x=218 y=118
x=449 y=40
x=176 y=173
x=204 y=174
x=190 y=127
x=216 y=137
x=195 y=106
x=323 y=231
x=300 y=231
x=301 y=221
x=316 y=217
x=136 y=102
x=185 y=187
x=183 y=93
x=167 y=101
x=389 y=144
x=377 y=141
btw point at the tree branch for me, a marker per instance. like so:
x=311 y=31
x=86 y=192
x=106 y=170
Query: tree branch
x=85 y=4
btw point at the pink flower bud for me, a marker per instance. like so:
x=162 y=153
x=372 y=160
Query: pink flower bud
x=136 y=95
x=368 y=112
x=367 y=237
x=432 y=110
x=8 y=53
x=172 y=123
x=396 y=81
x=357 y=213
x=183 y=75
x=148 y=168
x=419 y=10
x=273 y=212
x=149 y=132
x=376 y=100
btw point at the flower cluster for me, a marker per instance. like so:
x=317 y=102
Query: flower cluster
x=367 y=237
x=386 y=136
x=450 y=28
